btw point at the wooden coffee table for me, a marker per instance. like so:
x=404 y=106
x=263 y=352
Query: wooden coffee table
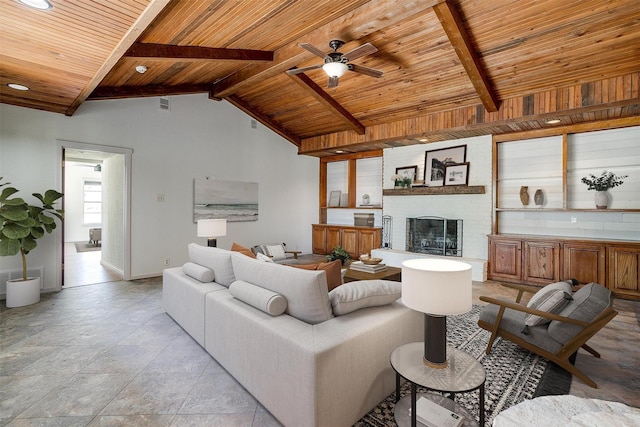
x=391 y=273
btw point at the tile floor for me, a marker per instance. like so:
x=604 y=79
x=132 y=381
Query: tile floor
x=84 y=268
x=108 y=355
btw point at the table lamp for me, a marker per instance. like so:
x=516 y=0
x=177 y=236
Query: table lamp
x=212 y=228
x=437 y=288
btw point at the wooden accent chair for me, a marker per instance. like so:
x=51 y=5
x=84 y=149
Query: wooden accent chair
x=588 y=312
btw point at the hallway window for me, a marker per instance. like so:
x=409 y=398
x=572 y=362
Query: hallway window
x=92 y=202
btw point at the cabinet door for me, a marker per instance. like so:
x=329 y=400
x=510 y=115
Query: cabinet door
x=318 y=239
x=541 y=262
x=624 y=271
x=584 y=262
x=349 y=240
x=332 y=239
x=368 y=239
x=505 y=259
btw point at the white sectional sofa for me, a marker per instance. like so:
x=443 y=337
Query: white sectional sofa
x=310 y=357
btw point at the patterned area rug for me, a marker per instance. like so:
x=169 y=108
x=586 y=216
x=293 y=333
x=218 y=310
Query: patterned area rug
x=86 y=247
x=513 y=374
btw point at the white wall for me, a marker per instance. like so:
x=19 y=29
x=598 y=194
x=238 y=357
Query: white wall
x=474 y=209
x=196 y=138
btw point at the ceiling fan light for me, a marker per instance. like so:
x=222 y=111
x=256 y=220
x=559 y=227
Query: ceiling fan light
x=335 y=69
x=37 y=4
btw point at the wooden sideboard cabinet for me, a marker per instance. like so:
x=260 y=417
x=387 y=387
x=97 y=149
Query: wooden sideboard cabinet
x=540 y=260
x=354 y=240
x=624 y=270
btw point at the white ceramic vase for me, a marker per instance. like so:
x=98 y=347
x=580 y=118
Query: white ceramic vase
x=21 y=292
x=602 y=199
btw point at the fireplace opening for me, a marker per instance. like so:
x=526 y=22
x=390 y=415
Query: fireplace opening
x=434 y=236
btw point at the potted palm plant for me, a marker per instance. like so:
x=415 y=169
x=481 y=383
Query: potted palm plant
x=21 y=225
x=601 y=184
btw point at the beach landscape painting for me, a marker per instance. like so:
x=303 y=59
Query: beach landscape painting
x=233 y=200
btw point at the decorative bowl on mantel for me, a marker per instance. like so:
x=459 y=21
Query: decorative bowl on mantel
x=371 y=261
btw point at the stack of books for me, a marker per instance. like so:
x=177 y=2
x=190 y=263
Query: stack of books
x=431 y=414
x=367 y=268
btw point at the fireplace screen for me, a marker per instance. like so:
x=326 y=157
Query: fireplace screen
x=435 y=236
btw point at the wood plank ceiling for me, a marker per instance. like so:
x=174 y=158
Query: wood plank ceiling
x=452 y=68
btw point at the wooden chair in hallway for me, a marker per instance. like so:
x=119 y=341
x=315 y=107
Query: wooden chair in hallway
x=560 y=335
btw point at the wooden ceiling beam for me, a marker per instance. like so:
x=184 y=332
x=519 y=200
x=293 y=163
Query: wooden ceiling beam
x=323 y=97
x=144 y=20
x=262 y=118
x=354 y=25
x=453 y=26
x=118 y=92
x=165 y=51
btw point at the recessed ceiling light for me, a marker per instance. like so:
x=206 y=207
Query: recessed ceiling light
x=423 y=140
x=339 y=151
x=141 y=69
x=16 y=86
x=37 y=4
x=553 y=121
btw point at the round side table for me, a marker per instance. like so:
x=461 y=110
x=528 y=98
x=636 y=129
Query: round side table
x=463 y=374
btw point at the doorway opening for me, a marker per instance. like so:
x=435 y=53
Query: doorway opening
x=96 y=236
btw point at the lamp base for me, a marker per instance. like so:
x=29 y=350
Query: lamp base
x=211 y=242
x=435 y=341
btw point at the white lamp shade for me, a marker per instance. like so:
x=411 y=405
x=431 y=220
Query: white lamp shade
x=437 y=286
x=212 y=227
x=335 y=69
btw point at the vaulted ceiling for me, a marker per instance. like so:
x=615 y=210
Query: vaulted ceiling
x=451 y=68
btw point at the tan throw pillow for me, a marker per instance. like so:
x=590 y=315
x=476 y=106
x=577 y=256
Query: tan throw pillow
x=332 y=270
x=552 y=299
x=245 y=251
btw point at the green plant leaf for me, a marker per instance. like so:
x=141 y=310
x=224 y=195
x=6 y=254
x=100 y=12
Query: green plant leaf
x=15 y=231
x=37 y=232
x=28 y=244
x=9 y=247
x=45 y=219
x=14 y=213
x=6 y=193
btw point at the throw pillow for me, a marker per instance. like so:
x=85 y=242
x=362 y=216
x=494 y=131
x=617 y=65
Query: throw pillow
x=276 y=252
x=245 y=251
x=263 y=299
x=332 y=269
x=353 y=296
x=552 y=299
x=198 y=272
x=263 y=257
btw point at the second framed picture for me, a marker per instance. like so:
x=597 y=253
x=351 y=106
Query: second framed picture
x=457 y=174
x=436 y=161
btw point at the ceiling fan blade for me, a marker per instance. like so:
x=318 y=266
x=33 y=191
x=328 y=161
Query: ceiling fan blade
x=365 y=49
x=365 y=70
x=333 y=82
x=302 y=70
x=311 y=48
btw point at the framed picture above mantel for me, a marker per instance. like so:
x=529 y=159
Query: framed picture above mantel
x=436 y=162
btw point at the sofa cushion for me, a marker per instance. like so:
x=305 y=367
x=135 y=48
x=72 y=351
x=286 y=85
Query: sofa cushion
x=198 y=272
x=551 y=299
x=243 y=250
x=305 y=291
x=263 y=299
x=353 y=296
x=333 y=270
x=218 y=260
x=588 y=302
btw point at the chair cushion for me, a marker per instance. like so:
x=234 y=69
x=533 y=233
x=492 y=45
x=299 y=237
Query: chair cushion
x=333 y=269
x=513 y=321
x=270 y=302
x=218 y=260
x=551 y=298
x=588 y=302
x=245 y=251
x=276 y=252
x=353 y=296
x=198 y=272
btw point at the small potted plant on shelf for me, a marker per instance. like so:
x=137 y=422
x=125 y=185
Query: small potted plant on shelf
x=601 y=184
x=338 y=253
x=21 y=224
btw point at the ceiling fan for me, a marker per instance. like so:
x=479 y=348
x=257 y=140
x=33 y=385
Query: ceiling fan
x=336 y=63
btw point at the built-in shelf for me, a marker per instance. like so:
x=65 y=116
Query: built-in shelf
x=563 y=210
x=426 y=191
